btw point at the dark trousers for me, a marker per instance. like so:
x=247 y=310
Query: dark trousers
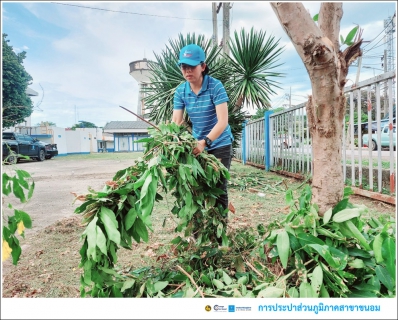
x=224 y=154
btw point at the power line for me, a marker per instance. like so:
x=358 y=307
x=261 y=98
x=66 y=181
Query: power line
x=127 y=12
x=378 y=45
x=379 y=33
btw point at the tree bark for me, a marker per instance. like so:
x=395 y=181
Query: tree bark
x=327 y=68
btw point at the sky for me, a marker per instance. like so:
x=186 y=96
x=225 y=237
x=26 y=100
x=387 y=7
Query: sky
x=78 y=53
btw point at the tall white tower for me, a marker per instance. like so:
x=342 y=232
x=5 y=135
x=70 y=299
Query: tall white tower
x=140 y=72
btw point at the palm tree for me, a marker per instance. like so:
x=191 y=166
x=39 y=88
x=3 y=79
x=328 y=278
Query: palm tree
x=245 y=75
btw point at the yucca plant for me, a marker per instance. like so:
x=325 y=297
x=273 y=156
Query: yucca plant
x=166 y=75
x=244 y=74
x=250 y=63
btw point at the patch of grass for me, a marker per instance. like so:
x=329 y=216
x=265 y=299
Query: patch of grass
x=365 y=163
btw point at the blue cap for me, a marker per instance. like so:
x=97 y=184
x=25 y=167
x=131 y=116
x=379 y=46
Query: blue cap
x=192 y=55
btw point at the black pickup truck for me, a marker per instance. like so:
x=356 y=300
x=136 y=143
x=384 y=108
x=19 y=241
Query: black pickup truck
x=16 y=145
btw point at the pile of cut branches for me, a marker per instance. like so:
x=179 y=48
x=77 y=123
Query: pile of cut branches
x=304 y=255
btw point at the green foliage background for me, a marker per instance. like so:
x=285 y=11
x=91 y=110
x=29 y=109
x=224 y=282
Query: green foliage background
x=17 y=106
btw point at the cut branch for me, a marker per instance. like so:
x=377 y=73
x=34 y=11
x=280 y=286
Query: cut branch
x=139 y=117
x=192 y=280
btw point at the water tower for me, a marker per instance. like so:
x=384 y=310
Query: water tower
x=140 y=72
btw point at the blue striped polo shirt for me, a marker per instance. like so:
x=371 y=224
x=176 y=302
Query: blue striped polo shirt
x=201 y=109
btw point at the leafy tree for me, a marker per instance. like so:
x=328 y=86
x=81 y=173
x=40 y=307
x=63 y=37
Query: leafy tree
x=47 y=123
x=84 y=124
x=319 y=48
x=17 y=105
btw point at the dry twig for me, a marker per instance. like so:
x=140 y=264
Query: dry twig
x=254 y=269
x=192 y=280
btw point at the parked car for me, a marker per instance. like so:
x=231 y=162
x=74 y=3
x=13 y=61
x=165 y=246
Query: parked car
x=16 y=145
x=383 y=122
x=384 y=141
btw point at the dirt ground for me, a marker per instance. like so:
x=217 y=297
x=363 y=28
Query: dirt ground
x=50 y=251
x=56 y=180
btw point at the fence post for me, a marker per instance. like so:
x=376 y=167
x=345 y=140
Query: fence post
x=267 y=140
x=243 y=143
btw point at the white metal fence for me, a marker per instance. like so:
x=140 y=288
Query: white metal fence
x=281 y=141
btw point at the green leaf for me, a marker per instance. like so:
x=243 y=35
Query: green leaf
x=327 y=215
x=289 y=197
x=127 y=284
x=6 y=183
x=389 y=255
x=361 y=294
x=341 y=205
x=218 y=284
x=355 y=252
x=205 y=279
x=306 y=238
x=160 y=285
x=306 y=291
x=91 y=234
x=357 y=264
x=141 y=180
x=101 y=241
x=270 y=292
x=141 y=229
x=226 y=278
x=130 y=217
x=31 y=189
x=385 y=278
x=16 y=250
x=324 y=293
x=317 y=279
x=377 y=245
x=219 y=230
x=324 y=251
x=293 y=293
x=283 y=245
x=22 y=176
x=27 y=221
x=148 y=193
x=315 y=18
x=351 y=35
x=17 y=190
x=111 y=226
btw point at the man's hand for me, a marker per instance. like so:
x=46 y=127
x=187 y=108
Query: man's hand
x=199 y=147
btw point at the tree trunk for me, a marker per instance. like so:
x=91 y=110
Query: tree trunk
x=327 y=67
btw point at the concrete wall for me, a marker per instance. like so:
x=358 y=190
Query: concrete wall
x=73 y=136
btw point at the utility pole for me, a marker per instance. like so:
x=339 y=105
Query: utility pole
x=358 y=70
x=389 y=56
x=214 y=15
x=225 y=9
x=385 y=109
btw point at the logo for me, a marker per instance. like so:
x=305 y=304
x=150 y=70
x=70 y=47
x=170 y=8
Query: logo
x=208 y=308
x=219 y=308
x=231 y=308
x=243 y=309
x=188 y=54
